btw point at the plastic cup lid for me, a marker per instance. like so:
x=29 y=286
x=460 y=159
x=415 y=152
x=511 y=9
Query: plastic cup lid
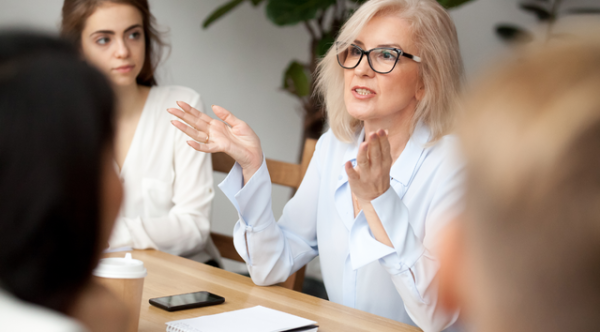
x=120 y=268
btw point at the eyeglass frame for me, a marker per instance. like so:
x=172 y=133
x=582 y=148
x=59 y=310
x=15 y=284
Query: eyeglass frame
x=363 y=52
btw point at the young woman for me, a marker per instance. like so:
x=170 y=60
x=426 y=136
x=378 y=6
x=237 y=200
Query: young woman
x=168 y=188
x=59 y=192
x=381 y=182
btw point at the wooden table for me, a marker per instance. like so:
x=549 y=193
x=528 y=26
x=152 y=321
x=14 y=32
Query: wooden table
x=169 y=275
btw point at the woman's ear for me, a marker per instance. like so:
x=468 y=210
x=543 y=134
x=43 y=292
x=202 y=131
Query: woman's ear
x=420 y=93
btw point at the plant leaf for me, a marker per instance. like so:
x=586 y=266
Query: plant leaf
x=452 y=3
x=226 y=8
x=542 y=13
x=295 y=79
x=324 y=44
x=290 y=12
x=512 y=33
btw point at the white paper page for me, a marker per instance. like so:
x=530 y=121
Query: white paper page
x=256 y=319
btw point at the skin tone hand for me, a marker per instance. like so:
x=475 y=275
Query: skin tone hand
x=230 y=135
x=371 y=179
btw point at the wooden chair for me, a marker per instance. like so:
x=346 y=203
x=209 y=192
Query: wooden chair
x=282 y=173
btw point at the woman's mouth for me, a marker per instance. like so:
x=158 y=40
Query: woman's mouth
x=124 y=69
x=363 y=93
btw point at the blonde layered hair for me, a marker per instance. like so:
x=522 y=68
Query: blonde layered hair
x=531 y=137
x=441 y=70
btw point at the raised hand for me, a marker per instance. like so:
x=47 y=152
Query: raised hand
x=371 y=176
x=229 y=134
x=371 y=179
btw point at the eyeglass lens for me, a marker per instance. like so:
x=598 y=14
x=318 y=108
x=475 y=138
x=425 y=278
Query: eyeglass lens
x=381 y=59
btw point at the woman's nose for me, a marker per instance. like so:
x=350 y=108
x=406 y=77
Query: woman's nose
x=122 y=50
x=363 y=68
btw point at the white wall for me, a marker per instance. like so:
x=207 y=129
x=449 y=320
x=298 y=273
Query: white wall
x=238 y=64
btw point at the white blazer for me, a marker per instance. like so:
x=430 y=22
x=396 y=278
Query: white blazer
x=168 y=185
x=358 y=271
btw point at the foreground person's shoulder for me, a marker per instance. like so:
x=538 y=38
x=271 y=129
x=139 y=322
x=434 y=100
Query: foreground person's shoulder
x=19 y=316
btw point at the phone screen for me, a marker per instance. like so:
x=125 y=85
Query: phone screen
x=187 y=301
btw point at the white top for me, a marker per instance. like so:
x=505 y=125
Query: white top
x=358 y=270
x=168 y=186
x=19 y=316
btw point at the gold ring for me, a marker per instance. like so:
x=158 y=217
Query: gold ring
x=206 y=139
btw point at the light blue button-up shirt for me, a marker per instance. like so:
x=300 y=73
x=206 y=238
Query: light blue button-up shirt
x=358 y=271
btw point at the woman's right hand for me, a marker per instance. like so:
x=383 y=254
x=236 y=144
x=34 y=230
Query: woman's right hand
x=229 y=134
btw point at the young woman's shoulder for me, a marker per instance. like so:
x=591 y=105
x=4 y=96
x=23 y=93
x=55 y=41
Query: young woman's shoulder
x=168 y=95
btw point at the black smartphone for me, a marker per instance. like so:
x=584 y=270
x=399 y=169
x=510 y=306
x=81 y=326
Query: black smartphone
x=187 y=301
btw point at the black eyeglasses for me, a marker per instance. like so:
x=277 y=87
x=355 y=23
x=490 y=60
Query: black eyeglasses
x=382 y=59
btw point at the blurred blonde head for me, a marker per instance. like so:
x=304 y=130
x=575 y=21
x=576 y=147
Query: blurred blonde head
x=531 y=138
x=441 y=69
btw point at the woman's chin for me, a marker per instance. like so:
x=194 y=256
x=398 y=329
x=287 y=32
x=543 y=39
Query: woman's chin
x=361 y=114
x=121 y=82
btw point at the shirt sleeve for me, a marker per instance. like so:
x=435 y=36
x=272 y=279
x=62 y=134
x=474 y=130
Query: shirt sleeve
x=185 y=230
x=274 y=250
x=410 y=263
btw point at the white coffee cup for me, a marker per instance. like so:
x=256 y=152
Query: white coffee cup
x=124 y=276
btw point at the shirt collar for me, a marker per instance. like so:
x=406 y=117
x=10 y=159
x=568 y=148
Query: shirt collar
x=405 y=166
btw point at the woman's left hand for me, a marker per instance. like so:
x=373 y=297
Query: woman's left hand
x=371 y=176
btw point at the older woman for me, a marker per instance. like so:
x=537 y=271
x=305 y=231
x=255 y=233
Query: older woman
x=381 y=181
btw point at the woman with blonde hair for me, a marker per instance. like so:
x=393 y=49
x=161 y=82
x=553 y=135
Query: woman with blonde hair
x=381 y=181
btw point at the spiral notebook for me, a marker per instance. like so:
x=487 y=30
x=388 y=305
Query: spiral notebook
x=256 y=319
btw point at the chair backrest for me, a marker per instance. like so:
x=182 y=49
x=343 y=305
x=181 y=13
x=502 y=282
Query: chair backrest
x=282 y=173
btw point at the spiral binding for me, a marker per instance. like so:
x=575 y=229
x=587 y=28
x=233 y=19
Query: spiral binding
x=180 y=327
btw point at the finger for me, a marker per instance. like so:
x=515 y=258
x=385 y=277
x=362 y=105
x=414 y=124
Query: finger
x=194 y=112
x=199 y=147
x=362 y=160
x=195 y=122
x=352 y=173
x=226 y=116
x=386 y=151
x=189 y=109
x=191 y=132
x=374 y=149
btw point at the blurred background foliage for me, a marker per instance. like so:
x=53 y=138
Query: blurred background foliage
x=546 y=12
x=322 y=20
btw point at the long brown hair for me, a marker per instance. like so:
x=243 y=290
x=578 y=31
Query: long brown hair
x=76 y=12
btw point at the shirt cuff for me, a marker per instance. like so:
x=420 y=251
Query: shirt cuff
x=253 y=200
x=364 y=248
x=121 y=237
x=396 y=221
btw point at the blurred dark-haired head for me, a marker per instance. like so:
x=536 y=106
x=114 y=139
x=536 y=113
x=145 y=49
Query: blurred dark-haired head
x=55 y=140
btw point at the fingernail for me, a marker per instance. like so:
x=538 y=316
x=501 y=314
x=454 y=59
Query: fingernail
x=387 y=132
